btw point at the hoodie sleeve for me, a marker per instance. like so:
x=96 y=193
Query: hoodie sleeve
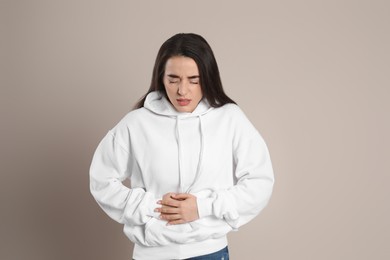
x=112 y=164
x=253 y=172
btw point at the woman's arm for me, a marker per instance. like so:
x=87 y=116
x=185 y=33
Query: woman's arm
x=254 y=174
x=110 y=166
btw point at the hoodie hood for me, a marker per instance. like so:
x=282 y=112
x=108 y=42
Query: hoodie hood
x=157 y=103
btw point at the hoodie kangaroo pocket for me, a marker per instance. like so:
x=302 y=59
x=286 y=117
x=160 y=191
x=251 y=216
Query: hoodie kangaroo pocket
x=157 y=233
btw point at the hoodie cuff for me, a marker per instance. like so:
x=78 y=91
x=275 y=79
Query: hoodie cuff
x=205 y=207
x=152 y=205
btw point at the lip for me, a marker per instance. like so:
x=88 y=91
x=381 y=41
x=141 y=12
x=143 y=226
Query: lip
x=183 y=101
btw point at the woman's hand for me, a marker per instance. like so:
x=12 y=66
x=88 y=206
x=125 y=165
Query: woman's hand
x=178 y=208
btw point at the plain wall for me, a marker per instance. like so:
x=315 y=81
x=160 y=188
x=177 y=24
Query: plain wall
x=313 y=77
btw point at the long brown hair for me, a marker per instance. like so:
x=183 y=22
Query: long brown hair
x=195 y=47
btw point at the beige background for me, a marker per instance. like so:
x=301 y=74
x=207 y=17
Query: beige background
x=313 y=76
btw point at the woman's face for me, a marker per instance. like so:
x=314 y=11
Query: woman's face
x=182 y=84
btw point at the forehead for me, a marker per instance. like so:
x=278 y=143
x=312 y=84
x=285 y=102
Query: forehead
x=181 y=66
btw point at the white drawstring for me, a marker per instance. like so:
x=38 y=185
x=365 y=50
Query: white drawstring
x=198 y=168
x=179 y=154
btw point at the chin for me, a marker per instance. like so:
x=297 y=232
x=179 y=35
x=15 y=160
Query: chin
x=184 y=109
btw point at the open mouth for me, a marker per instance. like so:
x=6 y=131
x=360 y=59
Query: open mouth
x=183 y=102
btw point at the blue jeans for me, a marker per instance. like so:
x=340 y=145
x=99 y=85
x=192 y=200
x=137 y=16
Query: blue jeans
x=222 y=254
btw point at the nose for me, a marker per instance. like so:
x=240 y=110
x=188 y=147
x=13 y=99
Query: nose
x=182 y=89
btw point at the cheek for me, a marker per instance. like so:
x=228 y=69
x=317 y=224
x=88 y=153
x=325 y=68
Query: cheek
x=165 y=85
x=199 y=93
x=171 y=92
x=168 y=88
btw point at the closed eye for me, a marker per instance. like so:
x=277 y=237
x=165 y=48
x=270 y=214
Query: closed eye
x=194 y=79
x=172 y=79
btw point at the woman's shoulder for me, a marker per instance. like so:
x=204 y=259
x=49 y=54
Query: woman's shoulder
x=233 y=113
x=135 y=114
x=130 y=119
x=231 y=110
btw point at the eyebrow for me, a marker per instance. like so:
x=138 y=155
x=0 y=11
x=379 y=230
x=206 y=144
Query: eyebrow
x=177 y=77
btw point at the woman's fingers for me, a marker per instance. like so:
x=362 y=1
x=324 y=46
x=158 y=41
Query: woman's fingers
x=181 y=196
x=168 y=200
x=178 y=208
x=176 y=222
x=170 y=217
x=168 y=210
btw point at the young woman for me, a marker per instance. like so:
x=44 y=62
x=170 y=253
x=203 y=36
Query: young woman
x=198 y=168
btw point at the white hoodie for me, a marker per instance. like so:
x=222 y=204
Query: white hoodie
x=215 y=154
